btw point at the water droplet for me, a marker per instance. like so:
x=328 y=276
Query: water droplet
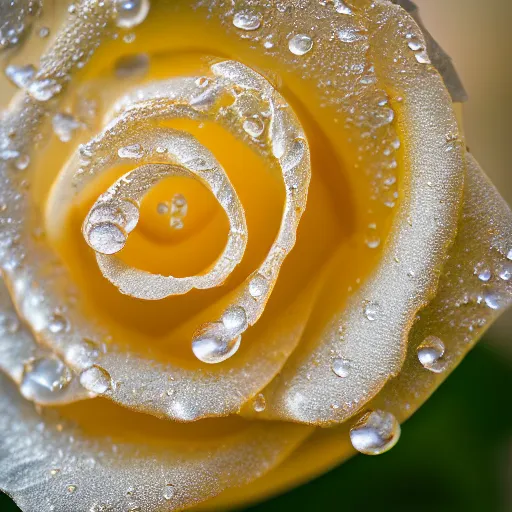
x=44 y=89
x=235 y=319
x=430 y=353
x=509 y=255
x=44 y=32
x=20 y=76
x=44 y=378
x=372 y=241
x=349 y=35
x=22 y=162
x=179 y=209
x=130 y=13
x=54 y=471
x=247 y=20
x=57 y=323
x=422 y=57
x=342 y=8
x=169 y=492
x=162 y=208
x=71 y=488
x=300 y=44
x=258 y=286
x=484 y=275
x=414 y=45
x=83 y=354
x=96 y=379
x=341 y=367
x=254 y=126
x=106 y=237
x=64 y=126
x=375 y=433
x=259 y=402
x=506 y=273
x=131 y=151
x=211 y=344
x=371 y=310
x=492 y=300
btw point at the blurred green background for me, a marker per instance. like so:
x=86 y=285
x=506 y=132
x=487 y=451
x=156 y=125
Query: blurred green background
x=455 y=454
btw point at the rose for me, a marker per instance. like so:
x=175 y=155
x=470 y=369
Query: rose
x=400 y=262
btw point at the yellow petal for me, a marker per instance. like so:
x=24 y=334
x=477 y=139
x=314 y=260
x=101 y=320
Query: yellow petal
x=96 y=454
x=463 y=308
x=369 y=333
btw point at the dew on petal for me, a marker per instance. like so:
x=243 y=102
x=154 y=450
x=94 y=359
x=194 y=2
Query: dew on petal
x=169 y=492
x=44 y=378
x=130 y=13
x=300 y=44
x=430 y=354
x=247 y=20
x=371 y=310
x=375 y=433
x=259 y=403
x=212 y=344
x=341 y=367
x=96 y=379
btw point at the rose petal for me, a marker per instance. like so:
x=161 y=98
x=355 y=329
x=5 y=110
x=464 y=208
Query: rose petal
x=455 y=315
x=95 y=455
x=19 y=353
x=376 y=321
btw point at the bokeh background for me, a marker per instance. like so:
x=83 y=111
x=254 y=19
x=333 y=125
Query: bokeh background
x=455 y=454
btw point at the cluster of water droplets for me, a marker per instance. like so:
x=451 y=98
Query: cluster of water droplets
x=176 y=209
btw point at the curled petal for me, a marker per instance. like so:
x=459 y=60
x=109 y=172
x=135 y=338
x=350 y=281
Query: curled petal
x=370 y=332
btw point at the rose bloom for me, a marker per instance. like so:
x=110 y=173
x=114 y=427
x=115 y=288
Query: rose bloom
x=238 y=244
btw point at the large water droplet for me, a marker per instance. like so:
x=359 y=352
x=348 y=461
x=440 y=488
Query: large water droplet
x=247 y=20
x=253 y=126
x=375 y=433
x=130 y=13
x=258 y=286
x=106 y=238
x=211 y=344
x=341 y=367
x=44 y=378
x=430 y=353
x=300 y=44
x=96 y=379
